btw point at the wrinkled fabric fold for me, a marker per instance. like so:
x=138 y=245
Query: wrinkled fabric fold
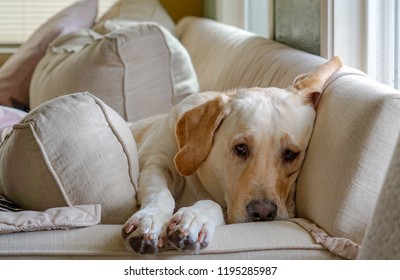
x=53 y=218
x=338 y=246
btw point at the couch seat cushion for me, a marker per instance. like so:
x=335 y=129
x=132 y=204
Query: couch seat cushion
x=265 y=240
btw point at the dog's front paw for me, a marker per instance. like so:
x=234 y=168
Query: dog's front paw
x=188 y=230
x=146 y=233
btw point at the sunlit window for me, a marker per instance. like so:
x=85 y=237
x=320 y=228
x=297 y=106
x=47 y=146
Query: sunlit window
x=19 y=18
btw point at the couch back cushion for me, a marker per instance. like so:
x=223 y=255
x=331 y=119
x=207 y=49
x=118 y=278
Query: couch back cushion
x=226 y=57
x=354 y=137
x=72 y=150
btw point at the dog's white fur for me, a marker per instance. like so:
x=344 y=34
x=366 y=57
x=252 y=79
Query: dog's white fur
x=216 y=156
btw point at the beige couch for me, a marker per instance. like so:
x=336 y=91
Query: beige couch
x=339 y=187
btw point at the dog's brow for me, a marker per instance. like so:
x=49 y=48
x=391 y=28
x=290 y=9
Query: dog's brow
x=294 y=148
x=288 y=142
x=242 y=137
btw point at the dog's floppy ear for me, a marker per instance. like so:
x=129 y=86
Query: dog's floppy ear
x=310 y=85
x=194 y=134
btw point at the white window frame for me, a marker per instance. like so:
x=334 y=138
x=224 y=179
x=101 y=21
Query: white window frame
x=252 y=15
x=397 y=45
x=362 y=32
x=380 y=45
x=342 y=31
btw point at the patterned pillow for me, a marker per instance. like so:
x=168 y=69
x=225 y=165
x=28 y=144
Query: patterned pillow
x=8 y=206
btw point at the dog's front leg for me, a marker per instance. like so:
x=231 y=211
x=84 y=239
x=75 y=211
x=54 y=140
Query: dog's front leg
x=192 y=228
x=146 y=231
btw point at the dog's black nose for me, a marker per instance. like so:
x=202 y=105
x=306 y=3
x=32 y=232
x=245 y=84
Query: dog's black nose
x=261 y=210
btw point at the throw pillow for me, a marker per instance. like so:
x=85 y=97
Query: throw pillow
x=73 y=150
x=9 y=117
x=16 y=72
x=139 y=69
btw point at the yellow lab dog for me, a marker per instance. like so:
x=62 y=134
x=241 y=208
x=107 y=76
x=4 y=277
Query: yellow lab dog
x=219 y=156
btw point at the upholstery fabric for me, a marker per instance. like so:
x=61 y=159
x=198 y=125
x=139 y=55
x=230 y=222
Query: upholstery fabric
x=272 y=240
x=226 y=57
x=73 y=150
x=137 y=10
x=382 y=238
x=353 y=141
x=139 y=70
x=16 y=72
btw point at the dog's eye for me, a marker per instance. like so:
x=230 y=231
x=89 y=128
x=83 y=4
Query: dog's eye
x=289 y=155
x=242 y=150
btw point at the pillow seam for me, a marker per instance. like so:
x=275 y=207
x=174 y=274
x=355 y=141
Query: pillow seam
x=124 y=148
x=49 y=165
x=118 y=47
x=171 y=79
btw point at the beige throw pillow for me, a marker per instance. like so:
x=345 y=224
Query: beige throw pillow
x=139 y=69
x=73 y=150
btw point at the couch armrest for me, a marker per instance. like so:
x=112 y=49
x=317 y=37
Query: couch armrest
x=382 y=238
x=354 y=137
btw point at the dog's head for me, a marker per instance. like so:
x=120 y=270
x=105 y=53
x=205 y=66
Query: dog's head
x=247 y=146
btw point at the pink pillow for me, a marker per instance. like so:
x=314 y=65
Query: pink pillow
x=16 y=73
x=9 y=117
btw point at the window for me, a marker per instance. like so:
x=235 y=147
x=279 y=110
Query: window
x=19 y=18
x=365 y=34
x=251 y=15
x=382 y=38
